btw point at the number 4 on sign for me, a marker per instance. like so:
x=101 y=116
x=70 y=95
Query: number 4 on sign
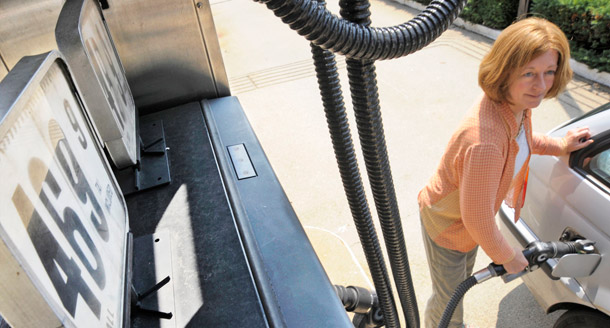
x=55 y=261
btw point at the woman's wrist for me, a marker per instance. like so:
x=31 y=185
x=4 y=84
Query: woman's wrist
x=564 y=146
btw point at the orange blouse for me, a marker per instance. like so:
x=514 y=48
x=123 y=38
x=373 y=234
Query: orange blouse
x=459 y=203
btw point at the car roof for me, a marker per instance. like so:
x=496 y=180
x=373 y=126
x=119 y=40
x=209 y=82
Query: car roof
x=598 y=121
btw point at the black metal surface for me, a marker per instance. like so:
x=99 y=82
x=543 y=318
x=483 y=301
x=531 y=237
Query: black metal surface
x=152 y=272
x=212 y=283
x=153 y=163
x=255 y=259
x=304 y=294
x=3 y=323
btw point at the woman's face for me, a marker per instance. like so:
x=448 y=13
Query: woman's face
x=533 y=81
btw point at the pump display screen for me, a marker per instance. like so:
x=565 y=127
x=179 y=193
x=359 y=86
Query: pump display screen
x=62 y=216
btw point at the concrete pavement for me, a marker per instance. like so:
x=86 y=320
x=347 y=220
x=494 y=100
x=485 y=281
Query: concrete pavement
x=423 y=97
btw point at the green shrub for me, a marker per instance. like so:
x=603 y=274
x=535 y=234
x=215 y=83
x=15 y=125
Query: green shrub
x=586 y=23
x=496 y=14
x=594 y=59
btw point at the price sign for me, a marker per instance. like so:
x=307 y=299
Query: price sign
x=63 y=217
x=83 y=38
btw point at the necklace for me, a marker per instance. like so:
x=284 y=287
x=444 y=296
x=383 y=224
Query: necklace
x=521 y=124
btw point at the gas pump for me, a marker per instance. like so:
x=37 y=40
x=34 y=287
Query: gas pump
x=135 y=192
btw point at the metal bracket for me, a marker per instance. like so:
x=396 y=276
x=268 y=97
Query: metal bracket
x=153 y=297
x=152 y=169
x=138 y=298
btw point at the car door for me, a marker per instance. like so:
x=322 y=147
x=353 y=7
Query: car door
x=573 y=194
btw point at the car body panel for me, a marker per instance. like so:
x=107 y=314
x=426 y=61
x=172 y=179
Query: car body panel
x=546 y=291
x=559 y=197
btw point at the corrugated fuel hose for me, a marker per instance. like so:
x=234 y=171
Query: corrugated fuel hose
x=336 y=117
x=353 y=40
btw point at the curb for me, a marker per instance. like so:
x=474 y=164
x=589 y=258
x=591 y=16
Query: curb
x=579 y=69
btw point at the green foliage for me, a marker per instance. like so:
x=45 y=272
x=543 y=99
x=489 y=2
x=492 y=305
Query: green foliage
x=496 y=14
x=595 y=59
x=586 y=23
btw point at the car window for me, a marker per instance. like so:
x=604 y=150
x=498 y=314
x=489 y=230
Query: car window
x=599 y=166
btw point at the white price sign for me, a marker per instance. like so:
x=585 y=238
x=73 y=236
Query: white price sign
x=63 y=218
x=84 y=40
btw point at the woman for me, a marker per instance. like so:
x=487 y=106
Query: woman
x=487 y=157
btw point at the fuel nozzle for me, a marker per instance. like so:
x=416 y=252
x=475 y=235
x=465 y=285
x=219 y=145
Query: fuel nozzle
x=585 y=246
x=538 y=252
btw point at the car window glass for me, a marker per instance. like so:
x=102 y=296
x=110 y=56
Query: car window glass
x=599 y=165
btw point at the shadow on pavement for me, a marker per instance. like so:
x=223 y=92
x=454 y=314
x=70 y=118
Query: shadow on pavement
x=570 y=105
x=519 y=305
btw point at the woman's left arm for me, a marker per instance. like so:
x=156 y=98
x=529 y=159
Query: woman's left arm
x=573 y=140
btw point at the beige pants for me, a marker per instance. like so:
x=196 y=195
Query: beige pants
x=448 y=268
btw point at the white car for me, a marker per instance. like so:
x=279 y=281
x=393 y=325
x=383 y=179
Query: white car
x=568 y=197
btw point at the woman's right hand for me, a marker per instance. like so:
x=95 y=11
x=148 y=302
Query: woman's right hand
x=517 y=264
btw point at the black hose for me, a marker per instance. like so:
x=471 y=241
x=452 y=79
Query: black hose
x=336 y=116
x=370 y=128
x=326 y=30
x=365 y=98
x=357 y=299
x=455 y=300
